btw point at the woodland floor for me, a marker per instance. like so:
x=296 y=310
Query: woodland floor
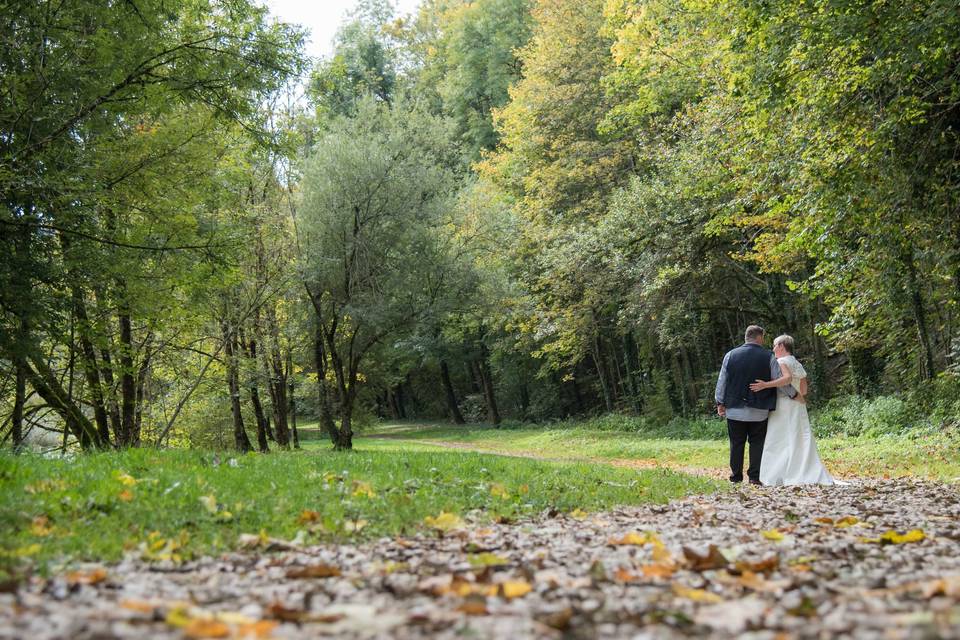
x=874 y=559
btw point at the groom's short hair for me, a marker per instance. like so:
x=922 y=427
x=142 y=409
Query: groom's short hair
x=753 y=332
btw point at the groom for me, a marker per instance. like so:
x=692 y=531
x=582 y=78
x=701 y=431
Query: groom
x=747 y=412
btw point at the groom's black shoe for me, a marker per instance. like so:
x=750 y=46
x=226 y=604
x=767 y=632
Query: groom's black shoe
x=735 y=479
x=756 y=482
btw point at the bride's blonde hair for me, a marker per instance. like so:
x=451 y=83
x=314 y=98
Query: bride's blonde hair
x=786 y=341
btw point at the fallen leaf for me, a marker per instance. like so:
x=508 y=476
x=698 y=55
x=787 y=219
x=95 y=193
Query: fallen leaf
x=559 y=620
x=497 y=490
x=767 y=565
x=514 y=589
x=947 y=586
x=757 y=582
x=658 y=570
x=140 y=606
x=892 y=537
x=93 y=576
x=258 y=629
x=363 y=489
x=206 y=629
x=444 y=522
x=578 y=514
x=712 y=559
x=487 y=560
x=40 y=526
x=127 y=480
x=697 y=595
x=633 y=538
x=320 y=570
x=126 y=495
x=209 y=503
x=772 y=534
x=474 y=606
x=307 y=516
x=847 y=521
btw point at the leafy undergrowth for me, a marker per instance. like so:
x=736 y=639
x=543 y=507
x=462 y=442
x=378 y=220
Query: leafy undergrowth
x=178 y=504
x=933 y=456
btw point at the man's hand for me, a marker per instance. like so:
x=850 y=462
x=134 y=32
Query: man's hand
x=721 y=411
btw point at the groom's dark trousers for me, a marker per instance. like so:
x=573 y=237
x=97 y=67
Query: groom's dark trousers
x=740 y=433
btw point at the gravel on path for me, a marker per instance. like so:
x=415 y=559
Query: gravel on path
x=763 y=563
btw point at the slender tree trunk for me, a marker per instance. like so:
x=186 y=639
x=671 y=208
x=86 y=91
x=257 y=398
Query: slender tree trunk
x=323 y=388
x=263 y=426
x=278 y=383
x=45 y=383
x=90 y=367
x=292 y=410
x=128 y=386
x=927 y=370
x=241 y=440
x=143 y=376
x=486 y=381
x=455 y=414
x=19 y=399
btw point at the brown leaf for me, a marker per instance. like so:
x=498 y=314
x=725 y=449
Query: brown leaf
x=307 y=516
x=559 y=620
x=658 y=570
x=278 y=611
x=140 y=606
x=713 y=559
x=94 y=576
x=697 y=595
x=475 y=605
x=314 y=571
x=946 y=586
x=258 y=629
x=766 y=566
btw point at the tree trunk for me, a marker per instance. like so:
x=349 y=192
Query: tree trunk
x=292 y=411
x=19 y=399
x=455 y=414
x=486 y=381
x=45 y=383
x=241 y=440
x=602 y=374
x=927 y=370
x=263 y=426
x=128 y=387
x=323 y=388
x=90 y=367
x=278 y=382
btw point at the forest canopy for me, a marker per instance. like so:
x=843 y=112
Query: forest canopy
x=486 y=210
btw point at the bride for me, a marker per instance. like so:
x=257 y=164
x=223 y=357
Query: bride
x=789 y=452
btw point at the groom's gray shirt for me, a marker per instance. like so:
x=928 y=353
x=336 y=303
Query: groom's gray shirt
x=750 y=414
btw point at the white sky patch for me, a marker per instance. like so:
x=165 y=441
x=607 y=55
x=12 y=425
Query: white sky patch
x=323 y=18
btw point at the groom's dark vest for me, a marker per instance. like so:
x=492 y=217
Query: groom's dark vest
x=747 y=363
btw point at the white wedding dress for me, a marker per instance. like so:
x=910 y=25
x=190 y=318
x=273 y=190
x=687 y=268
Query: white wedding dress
x=789 y=452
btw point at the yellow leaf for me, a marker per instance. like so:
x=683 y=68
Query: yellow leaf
x=638 y=539
x=499 y=491
x=126 y=480
x=354 y=525
x=178 y=617
x=697 y=595
x=40 y=526
x=515 y=589
x=444 y=522
x=364 y=489
x=661 y=554
x=578 y=514
x=847 y=521
x=209 y=503
x=21 y=552
x=487 y=560
x=772 y=534
x=892 y=537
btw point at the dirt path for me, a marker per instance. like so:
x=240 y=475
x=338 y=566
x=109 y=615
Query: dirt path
x=763 y=563
x=626 y=463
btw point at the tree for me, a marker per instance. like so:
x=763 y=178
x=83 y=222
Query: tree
x=373 y=261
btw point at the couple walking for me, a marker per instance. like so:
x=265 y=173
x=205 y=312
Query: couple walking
x=762 y=396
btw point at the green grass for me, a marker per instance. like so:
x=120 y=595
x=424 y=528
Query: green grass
x=96 y=506
x=928 y=455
